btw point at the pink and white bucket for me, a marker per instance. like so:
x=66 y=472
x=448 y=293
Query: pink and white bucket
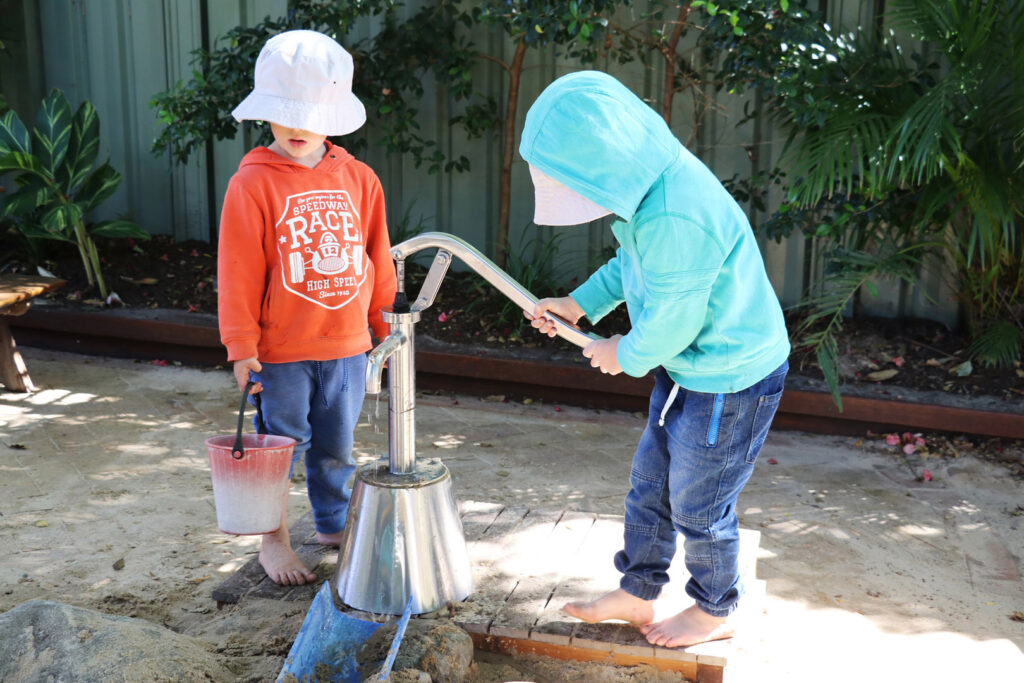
x=250 y=477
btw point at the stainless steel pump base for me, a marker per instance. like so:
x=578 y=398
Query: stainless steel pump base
x=389 y=555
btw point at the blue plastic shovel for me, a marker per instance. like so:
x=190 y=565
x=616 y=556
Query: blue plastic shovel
x=332 y=640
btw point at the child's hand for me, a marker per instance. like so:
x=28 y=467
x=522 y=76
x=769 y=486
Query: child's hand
x=603 y=354
x=564 y=307
x=241 y=370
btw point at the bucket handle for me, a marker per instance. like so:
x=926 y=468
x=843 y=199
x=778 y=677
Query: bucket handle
x=238 y=452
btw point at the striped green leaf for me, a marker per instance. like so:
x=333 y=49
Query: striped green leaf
x=52 y=131
x=22 y=161
x=60 y=218
x=13 y=134
x=98 y=186
x=83 y=147
x=32 y=194
x=37 y=231
x=118 y=228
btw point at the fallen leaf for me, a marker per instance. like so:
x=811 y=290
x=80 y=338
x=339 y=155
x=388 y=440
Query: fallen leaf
x=882 y=375
x=200 y=579
x=1020 y=373
x=1017 y=616
x=495 y=398
x=42 y=523
x=964 y=369
x=118 y=565
x=527 y=401
x=17 y=446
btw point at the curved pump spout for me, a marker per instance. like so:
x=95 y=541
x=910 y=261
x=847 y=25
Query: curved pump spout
x=377 y=358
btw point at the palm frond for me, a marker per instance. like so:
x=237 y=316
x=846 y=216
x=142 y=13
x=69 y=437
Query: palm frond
x=998 y=345
x=849 y=271
x=839 y=157
x=923 y=141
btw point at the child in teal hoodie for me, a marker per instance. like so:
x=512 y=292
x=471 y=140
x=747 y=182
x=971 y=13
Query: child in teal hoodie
x=703 y=317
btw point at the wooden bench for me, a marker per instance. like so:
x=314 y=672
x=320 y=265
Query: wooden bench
x=16 y=294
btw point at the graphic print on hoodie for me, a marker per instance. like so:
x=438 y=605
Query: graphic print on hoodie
x=320 y=240
x=304 y=263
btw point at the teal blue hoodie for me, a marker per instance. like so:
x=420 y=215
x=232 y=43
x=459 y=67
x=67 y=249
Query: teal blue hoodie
x=688 y=266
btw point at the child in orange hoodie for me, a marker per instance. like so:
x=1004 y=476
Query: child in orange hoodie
x=304 y=267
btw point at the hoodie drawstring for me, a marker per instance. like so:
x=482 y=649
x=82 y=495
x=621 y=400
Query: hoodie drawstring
x=668 y=403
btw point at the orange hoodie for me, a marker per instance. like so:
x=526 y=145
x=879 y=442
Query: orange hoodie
x=303 y=260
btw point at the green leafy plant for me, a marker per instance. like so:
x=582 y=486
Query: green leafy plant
x=57 y=184
x=390 y=69
x=906 y=136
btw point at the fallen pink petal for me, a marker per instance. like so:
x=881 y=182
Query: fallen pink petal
x=892 y=440
x=926 y=475
x=909 y=448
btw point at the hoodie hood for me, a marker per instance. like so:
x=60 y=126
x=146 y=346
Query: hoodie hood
x=585 y=128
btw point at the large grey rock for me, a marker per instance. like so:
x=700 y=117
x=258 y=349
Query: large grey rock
x=49 y=641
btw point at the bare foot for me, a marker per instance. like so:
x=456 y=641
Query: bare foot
x=280 y=562
x=615 y=605
x=691 y=626
x=330 y=539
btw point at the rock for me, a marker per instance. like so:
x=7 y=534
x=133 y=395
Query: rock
x=410 y=676
x=443 y=650
x=42 y=640
x=440 y=651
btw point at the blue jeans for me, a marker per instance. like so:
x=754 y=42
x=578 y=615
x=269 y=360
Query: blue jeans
x=685 y=479
x=318 y=403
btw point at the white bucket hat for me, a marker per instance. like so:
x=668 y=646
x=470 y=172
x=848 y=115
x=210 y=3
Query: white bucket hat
x=556 y=204
x=304 y=80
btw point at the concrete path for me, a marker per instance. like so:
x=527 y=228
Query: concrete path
x=871 y=574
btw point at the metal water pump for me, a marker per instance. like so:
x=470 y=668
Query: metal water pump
x=403 y=542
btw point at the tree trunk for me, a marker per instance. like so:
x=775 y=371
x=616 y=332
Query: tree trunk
x=669 y=85
x=515 y=72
